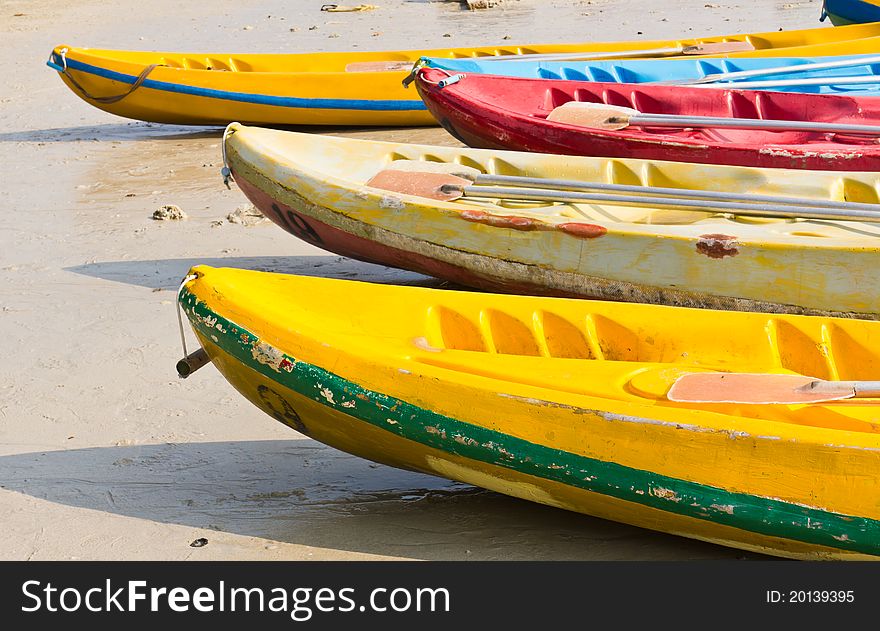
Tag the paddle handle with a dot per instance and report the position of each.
(673, 120)
(754, 210)
(576, 185)
(860, 389)
(759, 72)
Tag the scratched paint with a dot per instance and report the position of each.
(500, 221)
(717, 246)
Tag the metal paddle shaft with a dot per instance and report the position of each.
(759, 72)
(576, 185)
(448, 186)
(598, 115)
(674, 120)
(783, 83)
(737, 208)
(863, 389)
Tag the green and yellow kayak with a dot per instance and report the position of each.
(564, 402)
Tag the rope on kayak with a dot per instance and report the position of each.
(179, 314)
(226, 172)
(104, 99)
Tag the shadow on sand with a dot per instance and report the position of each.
(300, 491)
(138, 131)
(168, 273)
(120, 132)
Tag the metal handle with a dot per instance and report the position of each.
(191, 363)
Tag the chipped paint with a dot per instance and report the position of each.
(717, 246)
(392, 203)
(628, 418)
(724, 508)
(464, 440)
(327, 393)
(437, 431)
(266, 354)
(666, 494)
(515, 222)
(824, 155)
(348, 404)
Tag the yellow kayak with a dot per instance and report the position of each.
(322, 190)
(564, 402)
(347, 88)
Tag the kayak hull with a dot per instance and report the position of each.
(699, 261)
(846, 12)
(398, 403)
(317, 88)
(509, 113)
(862, 69)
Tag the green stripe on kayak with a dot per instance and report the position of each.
(771, 517)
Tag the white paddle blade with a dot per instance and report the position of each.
(593, 115)
(752, 388)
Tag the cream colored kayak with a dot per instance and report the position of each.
(315, 188)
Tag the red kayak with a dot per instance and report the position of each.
(512, 113)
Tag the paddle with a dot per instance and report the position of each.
(786, 83)
(447, 187)
(614, 118)
(744, 74)
(715, 48)
(758, 72)
(758, 389)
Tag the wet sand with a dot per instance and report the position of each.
(104, 453)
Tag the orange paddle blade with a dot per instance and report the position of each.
(750, 388)
(439, 186)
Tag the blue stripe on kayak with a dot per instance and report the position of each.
(244, 97)
(650, 70)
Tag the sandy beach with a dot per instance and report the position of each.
(104, 452)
